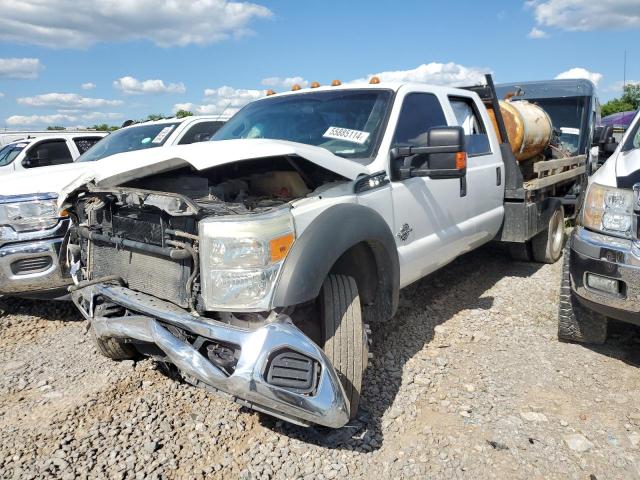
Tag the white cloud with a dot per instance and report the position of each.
(73, 24)
(434, 73)
(578, 72)
(183, 106)
(133, 86)
(1, 95)
(67, 100)
(286, 83)
(88, 86)
(227, 99)
(537, 33)
(63, 119)
(25, 68)
(585, 15)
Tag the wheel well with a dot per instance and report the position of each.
(369, 263)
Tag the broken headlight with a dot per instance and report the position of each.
(27, 213)
(240, 258)
(608, 210)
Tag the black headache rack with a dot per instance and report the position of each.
(528, 206)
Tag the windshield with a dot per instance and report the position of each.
(129, 139)
(8, 153)
(345, 122)
(567, 117)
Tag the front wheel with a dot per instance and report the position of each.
(343, 334)
(114, 348)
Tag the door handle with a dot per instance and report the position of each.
(498, 176)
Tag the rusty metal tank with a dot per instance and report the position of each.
(528, 126)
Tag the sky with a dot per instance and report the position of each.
(70, 63)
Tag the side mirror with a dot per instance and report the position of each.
(29, 162)
(444, 156)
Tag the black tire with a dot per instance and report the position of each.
(575, 322)
(521, 252)
(547, 246)
(113, 348)
(344, 337)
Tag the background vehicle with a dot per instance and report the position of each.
(256, 263)
(46, 151)
(31, 230)
(601, 270)
(11, 136)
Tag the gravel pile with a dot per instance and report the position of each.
(467, 381)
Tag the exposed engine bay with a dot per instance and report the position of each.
(144, 234)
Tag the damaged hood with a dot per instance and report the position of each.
(202, 156)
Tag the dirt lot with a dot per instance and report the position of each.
(468, 381)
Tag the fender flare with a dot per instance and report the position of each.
(324, 241)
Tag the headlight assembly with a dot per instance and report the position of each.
(609, 210)
(27, 213)
(241, 258)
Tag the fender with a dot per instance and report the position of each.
(331, 234)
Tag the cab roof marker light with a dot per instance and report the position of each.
(295, 87)
(374, 80)
(336, 83)
(270, 92)
(314, 85)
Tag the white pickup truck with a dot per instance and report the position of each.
(31, 230)
(35, 152)
(255, 263)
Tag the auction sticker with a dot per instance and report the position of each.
(346, 134)
(159, 138)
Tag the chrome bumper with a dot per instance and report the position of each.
(327, 405)
(611, 257)
(48, 277)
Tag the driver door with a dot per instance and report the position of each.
(433, 220)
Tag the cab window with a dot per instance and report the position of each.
(200, 132)
(467, 117)
(85, 143)
(50, 152)
(419, 113)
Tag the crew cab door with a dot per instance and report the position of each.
(485, 170)
(433, 219)
(47, 152)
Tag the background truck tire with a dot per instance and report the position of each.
(576, 323)
(113, 348)
(547, 245)
(345, 341)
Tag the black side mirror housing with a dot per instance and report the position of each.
(29, 162)
(443, 157)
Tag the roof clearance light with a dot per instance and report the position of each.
(315, 84)
(295, 87)
(374, 81)
(271, 92)
(336, 83)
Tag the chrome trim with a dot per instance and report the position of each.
(29, 197)
(623, 254)
(58, 231)
(328, 406)
(49, 279)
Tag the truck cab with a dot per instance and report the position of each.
(601, 270)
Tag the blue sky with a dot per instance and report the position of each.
(137, 57)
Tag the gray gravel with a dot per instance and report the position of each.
(468, 381)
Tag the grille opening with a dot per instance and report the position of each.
(26, 266)
(293, 371)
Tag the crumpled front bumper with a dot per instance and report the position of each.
(148, 321)
(30, 264)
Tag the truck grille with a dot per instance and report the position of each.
(158, 276)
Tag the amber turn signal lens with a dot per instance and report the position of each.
(461, 160)
(279, 247)
(374, 80)
(336, 83)
(295, 87)
(64, 213)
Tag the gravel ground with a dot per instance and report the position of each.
(467, 381)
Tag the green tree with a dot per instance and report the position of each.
(103, 127)
(155, 116)
(183, 113)
(55, 127)
(630, 100)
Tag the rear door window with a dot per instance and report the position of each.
(467, 116)
(85, 143)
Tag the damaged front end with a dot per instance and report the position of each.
(183, 266)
